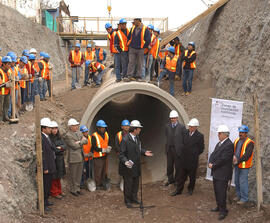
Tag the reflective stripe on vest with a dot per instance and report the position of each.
(177, 49)
(171, 64)
(76, 57)
(89, 56)
(119, 136)
(45, 71)
(87, 147)
(142, 36)
(123, 40)
(101, 143)
(193, 64)
(248, 163)
(4, 77)
(113, 49)
(155, 49)
(23, 71)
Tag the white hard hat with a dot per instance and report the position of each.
(193, 122)
(45, 122)
(54, 124)
(136, 124)
(32, 50)
(73, 121)
(173, 114)
(223, 128)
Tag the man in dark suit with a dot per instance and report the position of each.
(193, 147)
(220, 163)
(48, 160)
(130, 162)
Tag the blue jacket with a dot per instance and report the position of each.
(104, 55)
(136, 40)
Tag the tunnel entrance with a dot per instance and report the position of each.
(144, 102)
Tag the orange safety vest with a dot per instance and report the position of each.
(142, 36)
(155, 49)
(87, 148)
(45, 72)
(4, 79)
(89, 56)
(76, 57)
(146, 49)
(10, 71)
(100, 54)
(123, 40)
(171, 64)
(177, 49)
(193, 64)
(101, 143)
(248, 163)
(23, 71)
(94, 66)
(36, 68)
(113, 49)
(119, 136)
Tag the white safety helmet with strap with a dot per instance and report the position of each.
(45, 122)
(173, 114)
(73, 121)
(223, 128)
(32, 50)
(193, 123)
(136, 124)
(54, 124)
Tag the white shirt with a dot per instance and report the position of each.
(133, 137)
(220, 143)
(45, 134)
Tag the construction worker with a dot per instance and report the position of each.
(179, 49)
(24, 77)
(89, 54)
(88, 156)
(96, 72)
(170, 65)
(189, 65)
(76, 60)
(100, 54)
(30, 80)
(242, 160)
(119, 136)
(45, 82)
(5, 85)
(155, 52)
(130, 162)
(138, 38)
(100, 149)
(35, 78)
(111, 36)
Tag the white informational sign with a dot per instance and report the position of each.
(223, 112)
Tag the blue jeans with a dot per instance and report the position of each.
(10, 103)
(75, 75)
(97, 79)
(124, 63)
(171, 79)
(117, 65)
(86, 75)
(146, 71)
(241, 183)
(35, 90)
(187, 80)
(43, 88)
(87, 167)
(23, 95)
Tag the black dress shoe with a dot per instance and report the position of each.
(79, 192)
(190, 192)
(215, 209)
(175, 193)
(135, 201)
(129, 205)
(47, 208)
(49, 203)
(222, 216)
(168, 183)
(74, 194)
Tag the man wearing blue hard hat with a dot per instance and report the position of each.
(24, 77)
(45, 83)
(89, 55)
(242, 160)
(100, 148)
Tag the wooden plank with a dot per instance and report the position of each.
(39, 157)
(258, 153)
(211, 9)
(66, 65)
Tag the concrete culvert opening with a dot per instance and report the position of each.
(144, 102)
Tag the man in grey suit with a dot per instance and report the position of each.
(220, 163)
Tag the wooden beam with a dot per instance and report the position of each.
(211, 9)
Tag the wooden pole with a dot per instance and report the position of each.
(39, 157)
(13, 100)
(66, 65)
(51, 83)
(258, 153)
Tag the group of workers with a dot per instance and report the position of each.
(137, 54)
(25, 76)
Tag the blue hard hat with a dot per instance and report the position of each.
(83, 128)
(171, 49)
(13, 56)
(192, 44)
(121, 21)
(89, 46)
(78, 45)
(150, 26)
(125, 123)
(243, 128)
(6, 59)
(25, 53)
(24, 59)
(87, 62)
(42, 54)
(157, 30)
(32, 57)
(101, 123)
(108, 25)
(46, 56)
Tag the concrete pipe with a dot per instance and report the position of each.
(135, 100)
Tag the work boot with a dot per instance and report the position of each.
(187, 93)
(175, 193)
(183, 94)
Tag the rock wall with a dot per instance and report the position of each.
(233, 49)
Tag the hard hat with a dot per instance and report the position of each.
(108, 25)
(25, 53)
(6, 59)
(136, 124)
(173, 114)
(32, 57)
(193, 122)
(101, 123)
(89, 46)
(87, 62)
(125, 123)
(32, 50)
(42, 54)
(12, 56)
(78, 45)
(45, 122)
(11, 53)
(157, 30)
(171, 49)
(24, 59)
(73, 121)
(121, 21)
(223, 128)
(46, 56)
(83, 128)
(150, 26)
(243, 128)
(91, 184)
(192, 44)
(54, 124)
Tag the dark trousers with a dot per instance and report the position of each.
(135, 61)
(181, 179)
(131, 186)
(87, 171)
(99, 170)
(220, 188)
(23, 95)
(47, 183)
(171, 164)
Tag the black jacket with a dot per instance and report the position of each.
(193, 147)
(129, 150)
(187, 59)
(48, 156)
(221, 158)
(179, 135)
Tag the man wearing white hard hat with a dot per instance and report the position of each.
(174, 133)
(130, 162)
(220, 163)
(75, 140)
(193, 147)
(48, 160)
